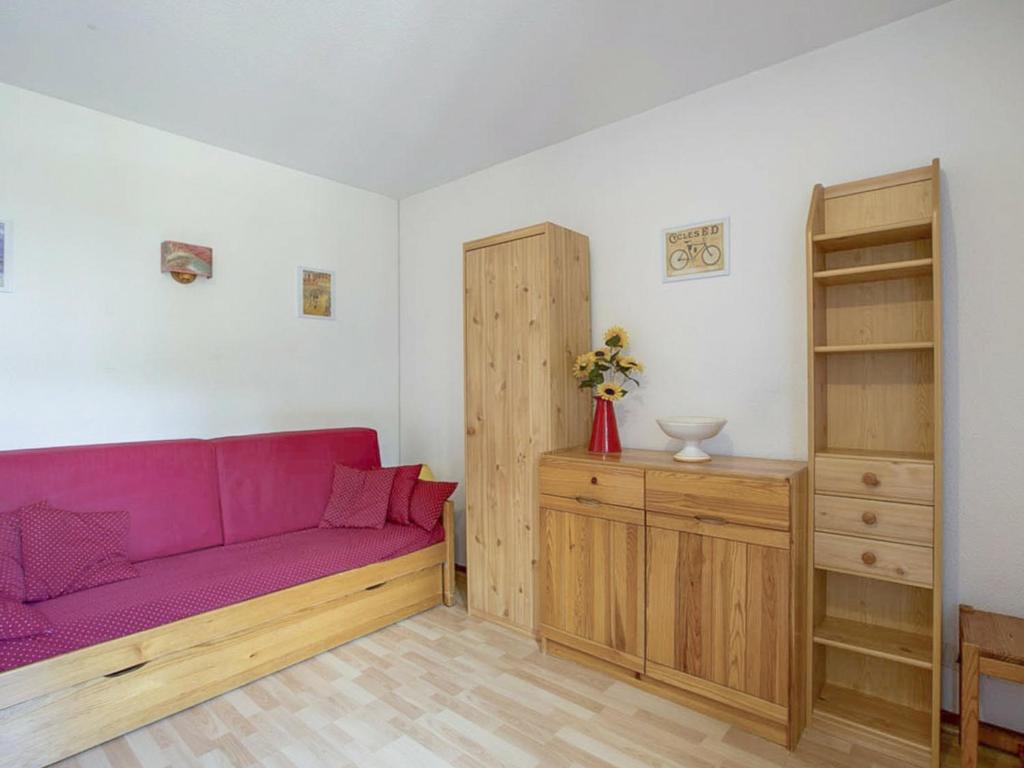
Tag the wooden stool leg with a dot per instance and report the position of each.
(970, 673)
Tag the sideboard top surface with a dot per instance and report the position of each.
(663, 461)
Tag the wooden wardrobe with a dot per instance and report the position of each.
(527, 317)
(875, 360)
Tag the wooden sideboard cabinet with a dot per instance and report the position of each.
(687, 579)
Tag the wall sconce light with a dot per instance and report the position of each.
(186, 262)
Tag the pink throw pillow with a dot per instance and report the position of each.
(359, 498)
(12, 576)
(401, 493)
(64, 552)
(18, 620)
(427, 503)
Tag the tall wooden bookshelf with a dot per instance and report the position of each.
(875, 422)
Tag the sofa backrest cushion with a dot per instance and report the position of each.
(280, 482)
(168, 487)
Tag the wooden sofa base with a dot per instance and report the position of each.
(58, 707)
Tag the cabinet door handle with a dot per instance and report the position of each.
(869, 558)
(870, 478)
(711, 520)
(869, 518)
(587, 501)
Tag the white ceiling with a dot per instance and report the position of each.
(398, 96)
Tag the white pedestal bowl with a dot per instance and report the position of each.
(691, 430)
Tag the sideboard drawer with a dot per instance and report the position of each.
(874, 519)
(899, 480)
(878, 559)
(729, 499)
(588, 483)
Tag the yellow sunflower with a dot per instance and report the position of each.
(630, 363)
(616, 336)
(610, 391)
(581, 368)
(602, 355)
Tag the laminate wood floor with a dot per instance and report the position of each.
(446, 689)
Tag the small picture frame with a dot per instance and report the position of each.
(316, 293)
(5, 256)
(695, 250)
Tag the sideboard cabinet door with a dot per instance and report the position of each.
(592, 581)
(718, 612)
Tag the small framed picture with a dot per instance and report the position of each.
(695, 250)
(5, 256)
(316, 293)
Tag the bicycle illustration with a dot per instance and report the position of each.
(690, 253)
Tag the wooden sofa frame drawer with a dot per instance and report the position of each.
(718, 498)
(894, 479)
(57, 707)
(887, 520)
(902, 563)
(589, 483)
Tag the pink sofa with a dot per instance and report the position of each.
(213, 523)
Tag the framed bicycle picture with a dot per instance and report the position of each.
(695, 250)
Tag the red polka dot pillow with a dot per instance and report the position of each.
(18, 621)
(64, 552)
(427, 502)
(12, 579)
(359, 498)
(401, 493)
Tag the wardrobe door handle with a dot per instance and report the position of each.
(587, 501)
(711, 520)
(869, 558)
(869, 518)
(870, 478)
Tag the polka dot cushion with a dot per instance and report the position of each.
(359, 497)
(401, 493)
(427, 503)
(179, 586)
(64, 552)
(12, 580)
(18, 620)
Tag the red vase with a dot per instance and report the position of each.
(604, 436)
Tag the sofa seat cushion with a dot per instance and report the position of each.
(18, 621)
(176, 587)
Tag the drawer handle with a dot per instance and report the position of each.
(869, 518)
(593, 480)
(870, 478)
(869, 558)
(127, 670)
(711, 520)
(587, 501)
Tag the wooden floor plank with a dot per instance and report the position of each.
(447, 689)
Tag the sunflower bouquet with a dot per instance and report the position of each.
(607, 370)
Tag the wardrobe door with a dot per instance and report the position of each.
(718, 613)
(507, 391)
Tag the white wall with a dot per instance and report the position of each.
(96, 345)
(945, 83)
